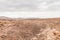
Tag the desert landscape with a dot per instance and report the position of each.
(29, 29)
(29, 19)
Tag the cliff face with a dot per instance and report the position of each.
(30, 29)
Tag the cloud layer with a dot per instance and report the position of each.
(29, 5)
(31, 14)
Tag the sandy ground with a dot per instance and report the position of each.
(30, 29)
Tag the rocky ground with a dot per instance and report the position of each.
(30, 29)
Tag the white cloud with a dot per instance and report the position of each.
(31, 14)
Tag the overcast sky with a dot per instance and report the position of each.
(30, 8)
(29, 5)
(44, 14)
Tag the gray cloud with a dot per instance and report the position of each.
(29, 5)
